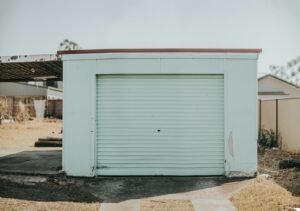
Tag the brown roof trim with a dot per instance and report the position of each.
(161, 50)
(272, 93)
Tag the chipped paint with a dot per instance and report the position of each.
(241, 174)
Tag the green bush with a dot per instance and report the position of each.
(267, 138)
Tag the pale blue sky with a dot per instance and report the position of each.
(38, 26)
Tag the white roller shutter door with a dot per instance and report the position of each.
(160, 125)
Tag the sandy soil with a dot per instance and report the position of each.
(262, 195)
(166, 205)
(24, 134)
(281, 191)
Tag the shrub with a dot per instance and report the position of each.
(267, 138)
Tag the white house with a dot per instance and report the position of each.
(271, 87)
(11, 89)
(160, 112)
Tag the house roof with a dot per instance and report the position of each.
(162, 50)
(30, 68)
(280, 79)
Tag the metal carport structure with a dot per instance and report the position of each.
(47, 67)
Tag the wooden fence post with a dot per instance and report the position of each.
(13, 108)
(259, 132)
(276, 118)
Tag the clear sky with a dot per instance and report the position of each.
(38, 26)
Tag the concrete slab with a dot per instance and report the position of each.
(37, 162)
(127, 193)
(14, 150)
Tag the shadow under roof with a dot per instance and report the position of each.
(30, 68)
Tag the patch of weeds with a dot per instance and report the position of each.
(268, 138)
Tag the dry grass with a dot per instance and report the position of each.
(288, 178)
(24, 134)
(16, 205)
(262, 195)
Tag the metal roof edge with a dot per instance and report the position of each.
(162, 50)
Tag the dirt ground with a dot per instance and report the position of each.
(45, 196)
(287, 178)
(24, 134)
(280, 191)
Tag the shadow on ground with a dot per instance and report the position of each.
(45, 192)
(46, 162)
(117, 189)
(109, 189)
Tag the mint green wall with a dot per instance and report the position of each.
(240, 106)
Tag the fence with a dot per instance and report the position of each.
(54, 108)
(30, 106)
(282, 116)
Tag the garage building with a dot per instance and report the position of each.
(160, 112)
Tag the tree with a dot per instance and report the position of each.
(68, 45)
(289, 72)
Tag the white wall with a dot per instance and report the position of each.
(19, 89)
(78, 119)
(240, 101)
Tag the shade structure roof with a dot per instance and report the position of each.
(30, 68)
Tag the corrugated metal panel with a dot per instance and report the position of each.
(160, 125)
